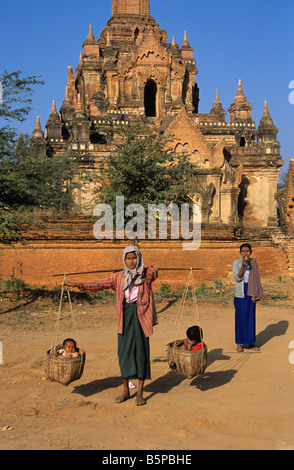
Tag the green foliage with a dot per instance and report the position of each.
(15, 105)
(166, 291)
(282, 180)
(279, 296)
(202, 289)
(28, 181)
(10, 225)
(219, 285)
(17, 94)
(13, 284)
(144, 170)
(217, 293)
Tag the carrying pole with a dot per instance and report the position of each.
(117, 270)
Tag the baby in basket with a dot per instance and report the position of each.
(68, 349)
(193, 341)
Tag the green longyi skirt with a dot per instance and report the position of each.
(133, 347)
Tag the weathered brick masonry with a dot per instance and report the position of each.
(70, 247)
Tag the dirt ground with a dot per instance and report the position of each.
(243, 400)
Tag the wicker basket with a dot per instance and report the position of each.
(64, 370)
(187, 363)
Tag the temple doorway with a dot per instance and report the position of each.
(150, 94)
(242, 199)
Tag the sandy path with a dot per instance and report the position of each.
(243, 401)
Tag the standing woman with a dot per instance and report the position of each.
(248, 291)
(136, 316)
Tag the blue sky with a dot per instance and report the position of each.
(250, 40)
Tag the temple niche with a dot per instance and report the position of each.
(132, 72)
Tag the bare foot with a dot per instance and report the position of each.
(254, 348)
(123, 397)
(140, 401)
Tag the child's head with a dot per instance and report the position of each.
(195, 333)
(69, 345)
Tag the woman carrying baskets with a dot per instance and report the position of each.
(136, 316)
(248, 291)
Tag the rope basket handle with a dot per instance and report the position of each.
(56, 329)
(189, 283)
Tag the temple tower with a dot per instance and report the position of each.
(139, 7)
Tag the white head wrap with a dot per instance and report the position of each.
(133, 275)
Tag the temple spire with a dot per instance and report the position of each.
(241, 109)
(38, 133)
(266, 111)
(266, 120)
(240, 94)
(38, 124)
(90, 35)
(217, 108)
(54, 110)
(185, 41)
(186, 49)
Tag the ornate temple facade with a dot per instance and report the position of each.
(131, 72)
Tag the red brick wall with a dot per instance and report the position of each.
(76, 250)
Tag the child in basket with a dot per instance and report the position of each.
(68, 349)
(193, 341)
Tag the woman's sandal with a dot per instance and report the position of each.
(239, 348)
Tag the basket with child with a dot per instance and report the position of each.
(188, 356)
(66, 362)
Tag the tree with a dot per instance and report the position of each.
(145, 170)
(15, 105)
(28, 181)
(282, 180)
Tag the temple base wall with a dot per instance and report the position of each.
(73, 249)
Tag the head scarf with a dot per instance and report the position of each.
(133, 275)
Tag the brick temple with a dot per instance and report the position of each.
(129, 73)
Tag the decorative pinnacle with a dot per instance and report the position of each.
(266, 111)
(240, 94)
(185, 41)
(38, 124)
(90, 35)
(54, 110)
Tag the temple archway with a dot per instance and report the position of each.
(150, 95)
(242, 199)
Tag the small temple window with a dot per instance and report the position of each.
(242, 142)
(136, 34)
